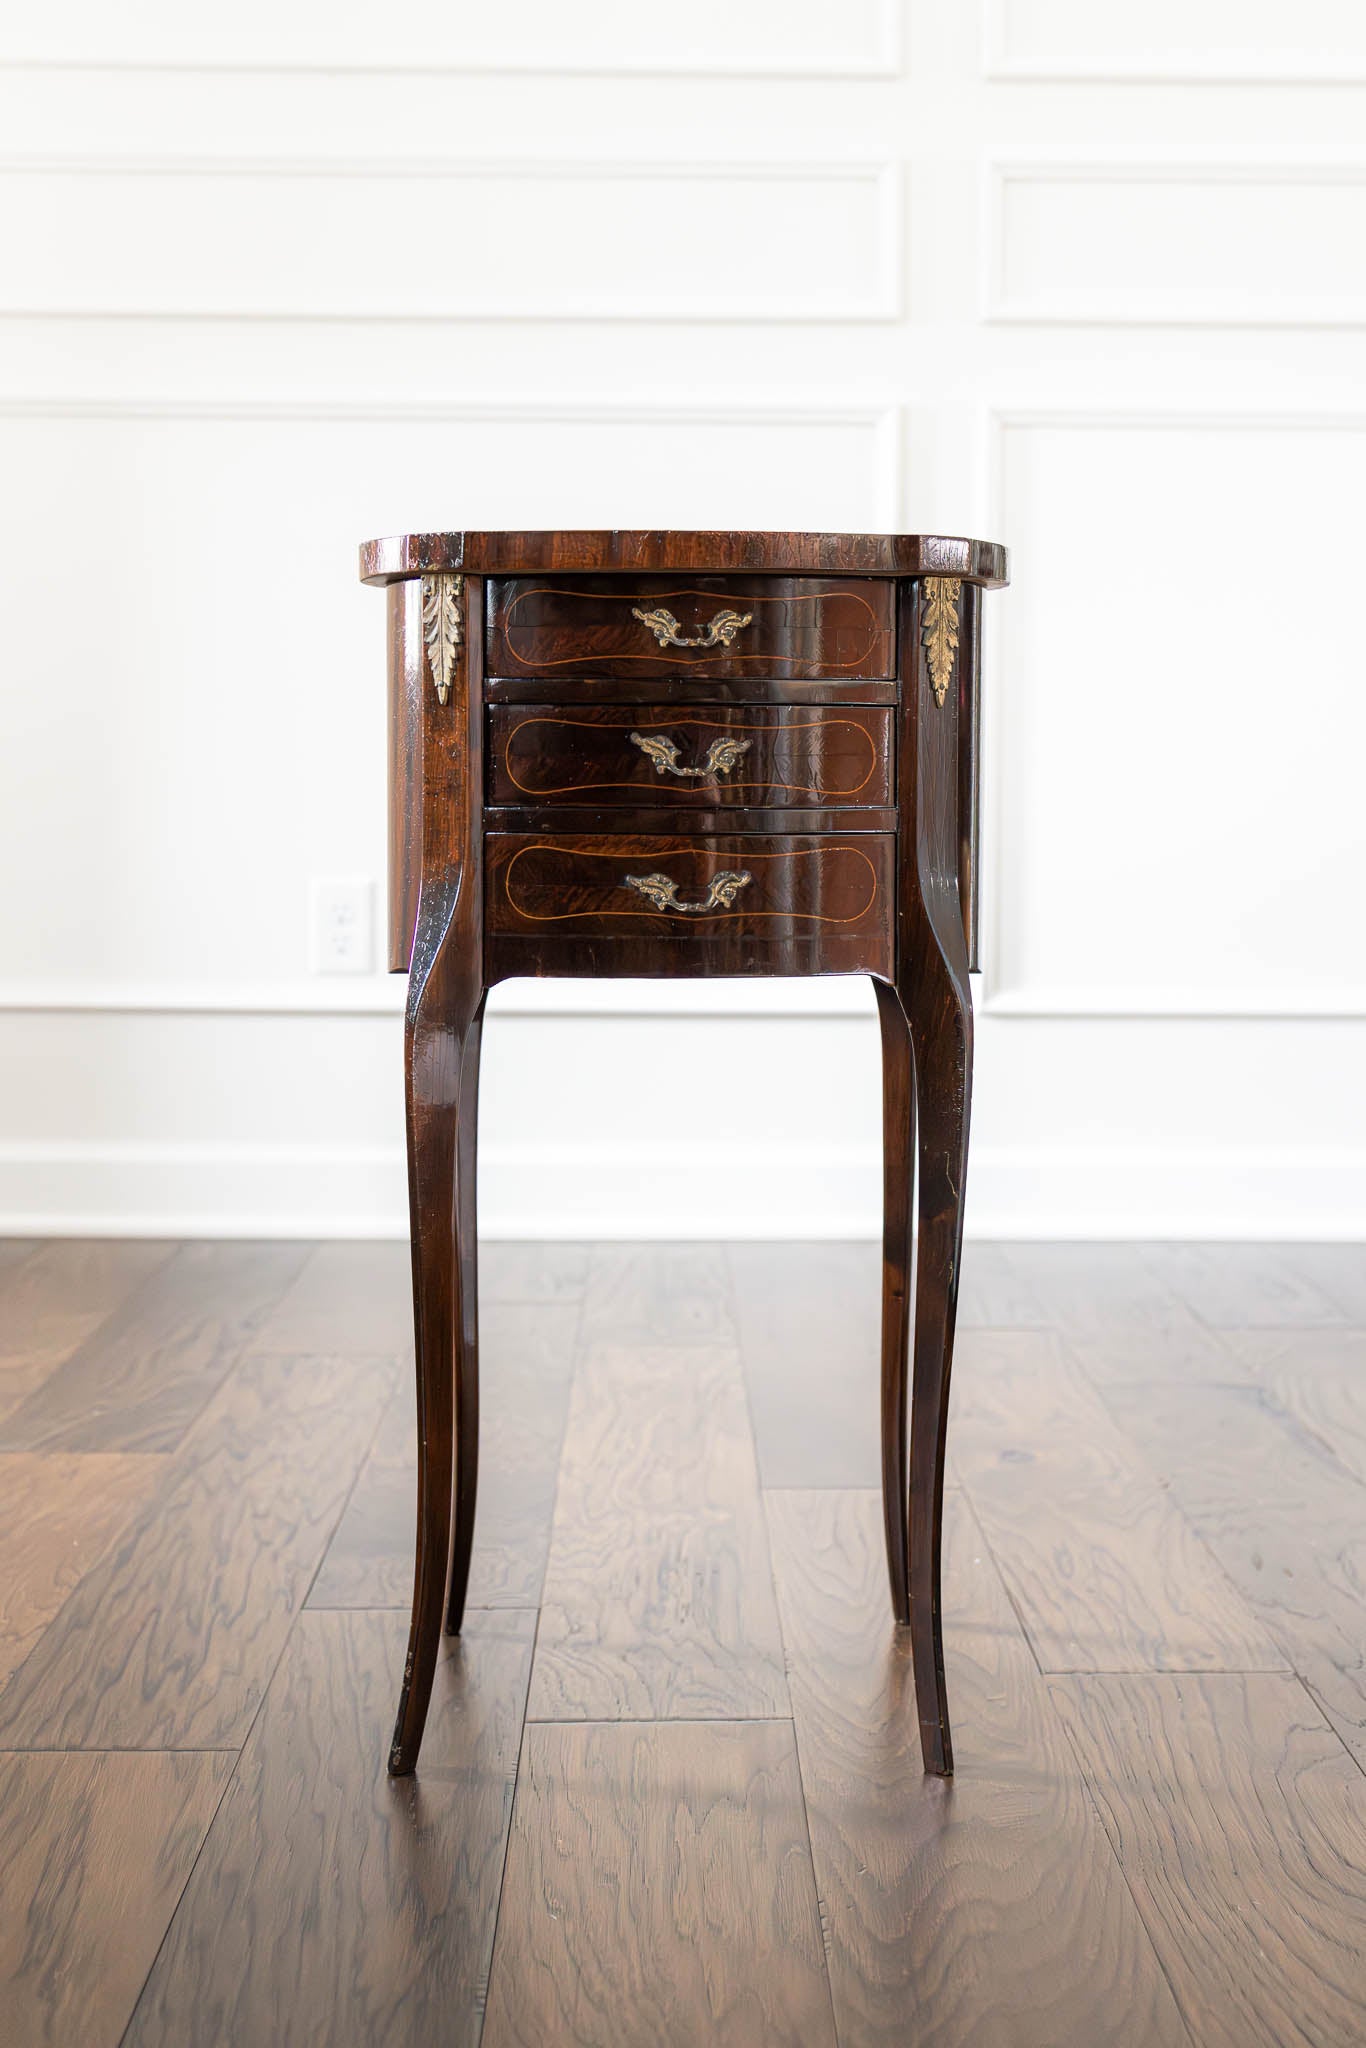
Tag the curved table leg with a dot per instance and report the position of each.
(466, 1360)
(444, 1013)
(898, 1258)
(939, 1013)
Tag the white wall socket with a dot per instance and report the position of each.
(341, 927)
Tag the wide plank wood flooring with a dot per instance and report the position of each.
(671, 1793)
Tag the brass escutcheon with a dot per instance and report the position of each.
(722, 755)
(663, 893)
(719, 633)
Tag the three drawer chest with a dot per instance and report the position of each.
(686, 754)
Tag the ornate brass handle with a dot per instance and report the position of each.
(719, 633)
(722, 755)
(721, 891)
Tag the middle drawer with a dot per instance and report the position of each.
(764, 756)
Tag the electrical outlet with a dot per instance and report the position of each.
(341, 927)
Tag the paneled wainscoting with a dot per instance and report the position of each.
(671, 1790)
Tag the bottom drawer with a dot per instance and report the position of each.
(739, 899)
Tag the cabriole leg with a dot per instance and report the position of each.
(940, 1016)
(898, 1253)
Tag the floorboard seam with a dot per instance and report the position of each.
(1322, 1711)
(980, 1526)
(482, 1996)
(361, 1464)
(1093, 1801)
(229, 1781)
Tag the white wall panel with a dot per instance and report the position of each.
(1181, 724)
(1151, 242)
(860, 38)
(1234, 41)
(441, 239)
(273, 279)
(201, 716)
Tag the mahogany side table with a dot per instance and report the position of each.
(656, 754)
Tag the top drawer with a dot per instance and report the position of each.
(787, 627)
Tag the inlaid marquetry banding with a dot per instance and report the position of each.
(766, 782)
(656, 655)
(619, 854)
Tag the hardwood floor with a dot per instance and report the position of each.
(670, 1793)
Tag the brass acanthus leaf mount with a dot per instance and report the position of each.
(442, 629)
(939, 630)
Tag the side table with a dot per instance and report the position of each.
(683, 754)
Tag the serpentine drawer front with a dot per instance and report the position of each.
(686, 755)
(740, 891)
(703, 625)
(690, 756)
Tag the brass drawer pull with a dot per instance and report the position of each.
(722, 755)
(721, 892)
(719, 633)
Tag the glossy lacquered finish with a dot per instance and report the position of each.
(611, 550)
(692, 757)
(779, 626)
(732, 898)
(793, 793)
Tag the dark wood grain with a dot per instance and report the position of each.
(55, 1296)
(58, 1516)
(332, 1904)
(404, 645)
(527, 1355)
(833, 896)
(1281, 1514)
(582, 857)
(658, 1599)
(347, 1297)
(94, 1851)
(925, 1012)
(659, 1894)
(140, 1380)
(645, 818)
(777, 626)
(968, 806)
(589, 551)
(170, 1641)
(987, 1909)
(576, 754)
(446, 992)
(676, 690)
(1239, 1822)
(1107, 1573)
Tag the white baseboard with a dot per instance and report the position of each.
(649, 1192)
